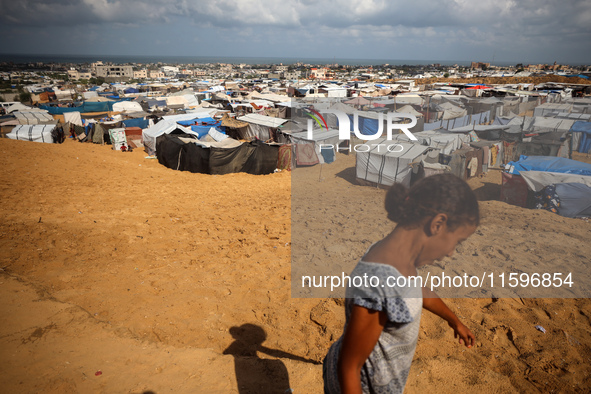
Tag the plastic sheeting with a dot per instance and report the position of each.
(323, 140)
(537, 180)
(255, 158)
(150, 135)
(382, 167)
(575, 199)
(85, 107)
(137, 122)
(35, 133)
(33, 117)
(549, 164)
(73, 117)
(127, 106)
(581, 136)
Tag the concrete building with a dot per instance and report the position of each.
(291, 75)
(115, 73)
(155, 74)
(140, 74)
(74, 74)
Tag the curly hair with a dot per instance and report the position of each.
(442, 193)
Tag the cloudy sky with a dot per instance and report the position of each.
(514, 31)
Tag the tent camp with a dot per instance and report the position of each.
(36, 133)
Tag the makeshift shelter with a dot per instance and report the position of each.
(118, 139)
(234, 128)
(566, 182)
(150, 134)
(73, 118)
(382, 167)
(320, 149)
(36, 133)
(127, 107)
(228, 156)
(260, 126)
(581, 136)
(358, 101)
(18, 107)
(201, 126)
(33, 117)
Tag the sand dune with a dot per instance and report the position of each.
(167, 281)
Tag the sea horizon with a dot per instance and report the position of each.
(254, 60)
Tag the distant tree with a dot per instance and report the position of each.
(446, 75)
(84, 81)
(24, 97)
(96, 81)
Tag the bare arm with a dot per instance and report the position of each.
(360, 337)
(434, 304)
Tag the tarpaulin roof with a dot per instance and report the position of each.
(549, 164)
(36, 133)
(358, 101)
(33, 117)
(581, 127)
(262, 120)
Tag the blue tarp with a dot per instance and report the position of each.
(85, 107)
(138, 122)
(367, 126)
(203, 125)
(131, 90)
(575, 199)
(578, 75)
(585, 129)
(549, 164)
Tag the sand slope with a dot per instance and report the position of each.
(167, 281)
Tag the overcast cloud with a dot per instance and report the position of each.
(463, 30)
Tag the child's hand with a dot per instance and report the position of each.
(462, 332)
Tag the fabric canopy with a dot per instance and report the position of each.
(549, 164)
(358, 101)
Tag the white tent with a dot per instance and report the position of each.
(127, 106)
(73, 117)
(451, 111)
(150, 134)
(259, 125)
(408, 109)
(36, 133)
(190, 115)
(18, 107)
(381, 166)
(323, 140)
(176, 102)
(191, 100)
(33, 117)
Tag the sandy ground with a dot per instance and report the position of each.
(119, 275)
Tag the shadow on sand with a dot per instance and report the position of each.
(255, 374)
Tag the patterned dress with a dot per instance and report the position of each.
(386, 369)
